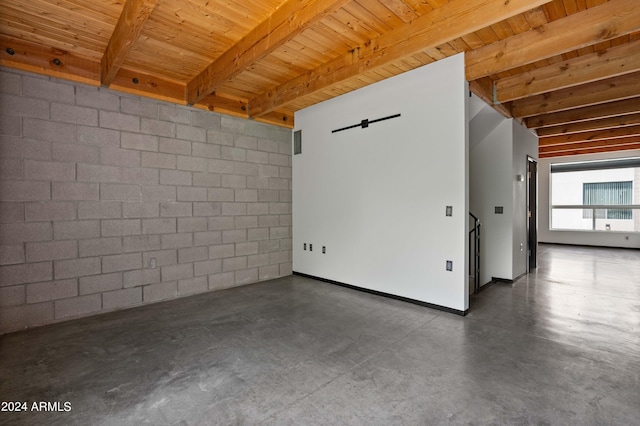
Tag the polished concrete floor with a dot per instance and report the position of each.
(560, 346)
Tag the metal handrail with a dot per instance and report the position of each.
(475, 233)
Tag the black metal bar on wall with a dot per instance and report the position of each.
(365, 123)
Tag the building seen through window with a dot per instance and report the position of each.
(594, 195)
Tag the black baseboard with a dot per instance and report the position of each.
(507, 280)
(587, 245)
(383, 294)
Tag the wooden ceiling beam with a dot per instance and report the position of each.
(53, 62)
(594, 112)
(581, 151)
(150, 85)
(454, 19)
(612, 89)
(590, 147)
(224, 105)
(483, 88)
(592, 125)
(289, 20)
(279, 118)
(39, 59)
(131, 22)
(615, 61)
(600, 23)
(594, 135)
(240, 108)
(28, 56)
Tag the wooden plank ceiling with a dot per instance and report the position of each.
(568, 68)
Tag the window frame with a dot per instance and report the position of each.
(596, 210)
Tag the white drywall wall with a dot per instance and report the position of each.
(490, 165)
(376, 196)
(498, 154)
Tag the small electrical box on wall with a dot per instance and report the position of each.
(449, 211)
(499, 210)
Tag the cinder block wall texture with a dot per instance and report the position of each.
(109, 201)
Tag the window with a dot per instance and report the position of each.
(594, 195)
(605, 193)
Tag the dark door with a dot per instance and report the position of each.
(532, 213)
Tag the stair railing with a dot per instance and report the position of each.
(474, 258)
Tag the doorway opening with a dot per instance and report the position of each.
(532, 214)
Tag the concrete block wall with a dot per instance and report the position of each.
(98, 187)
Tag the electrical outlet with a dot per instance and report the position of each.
(310, 247)
(305, 246)
(449, 265)
(449, 211)
(324, 250)
(153, 263)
